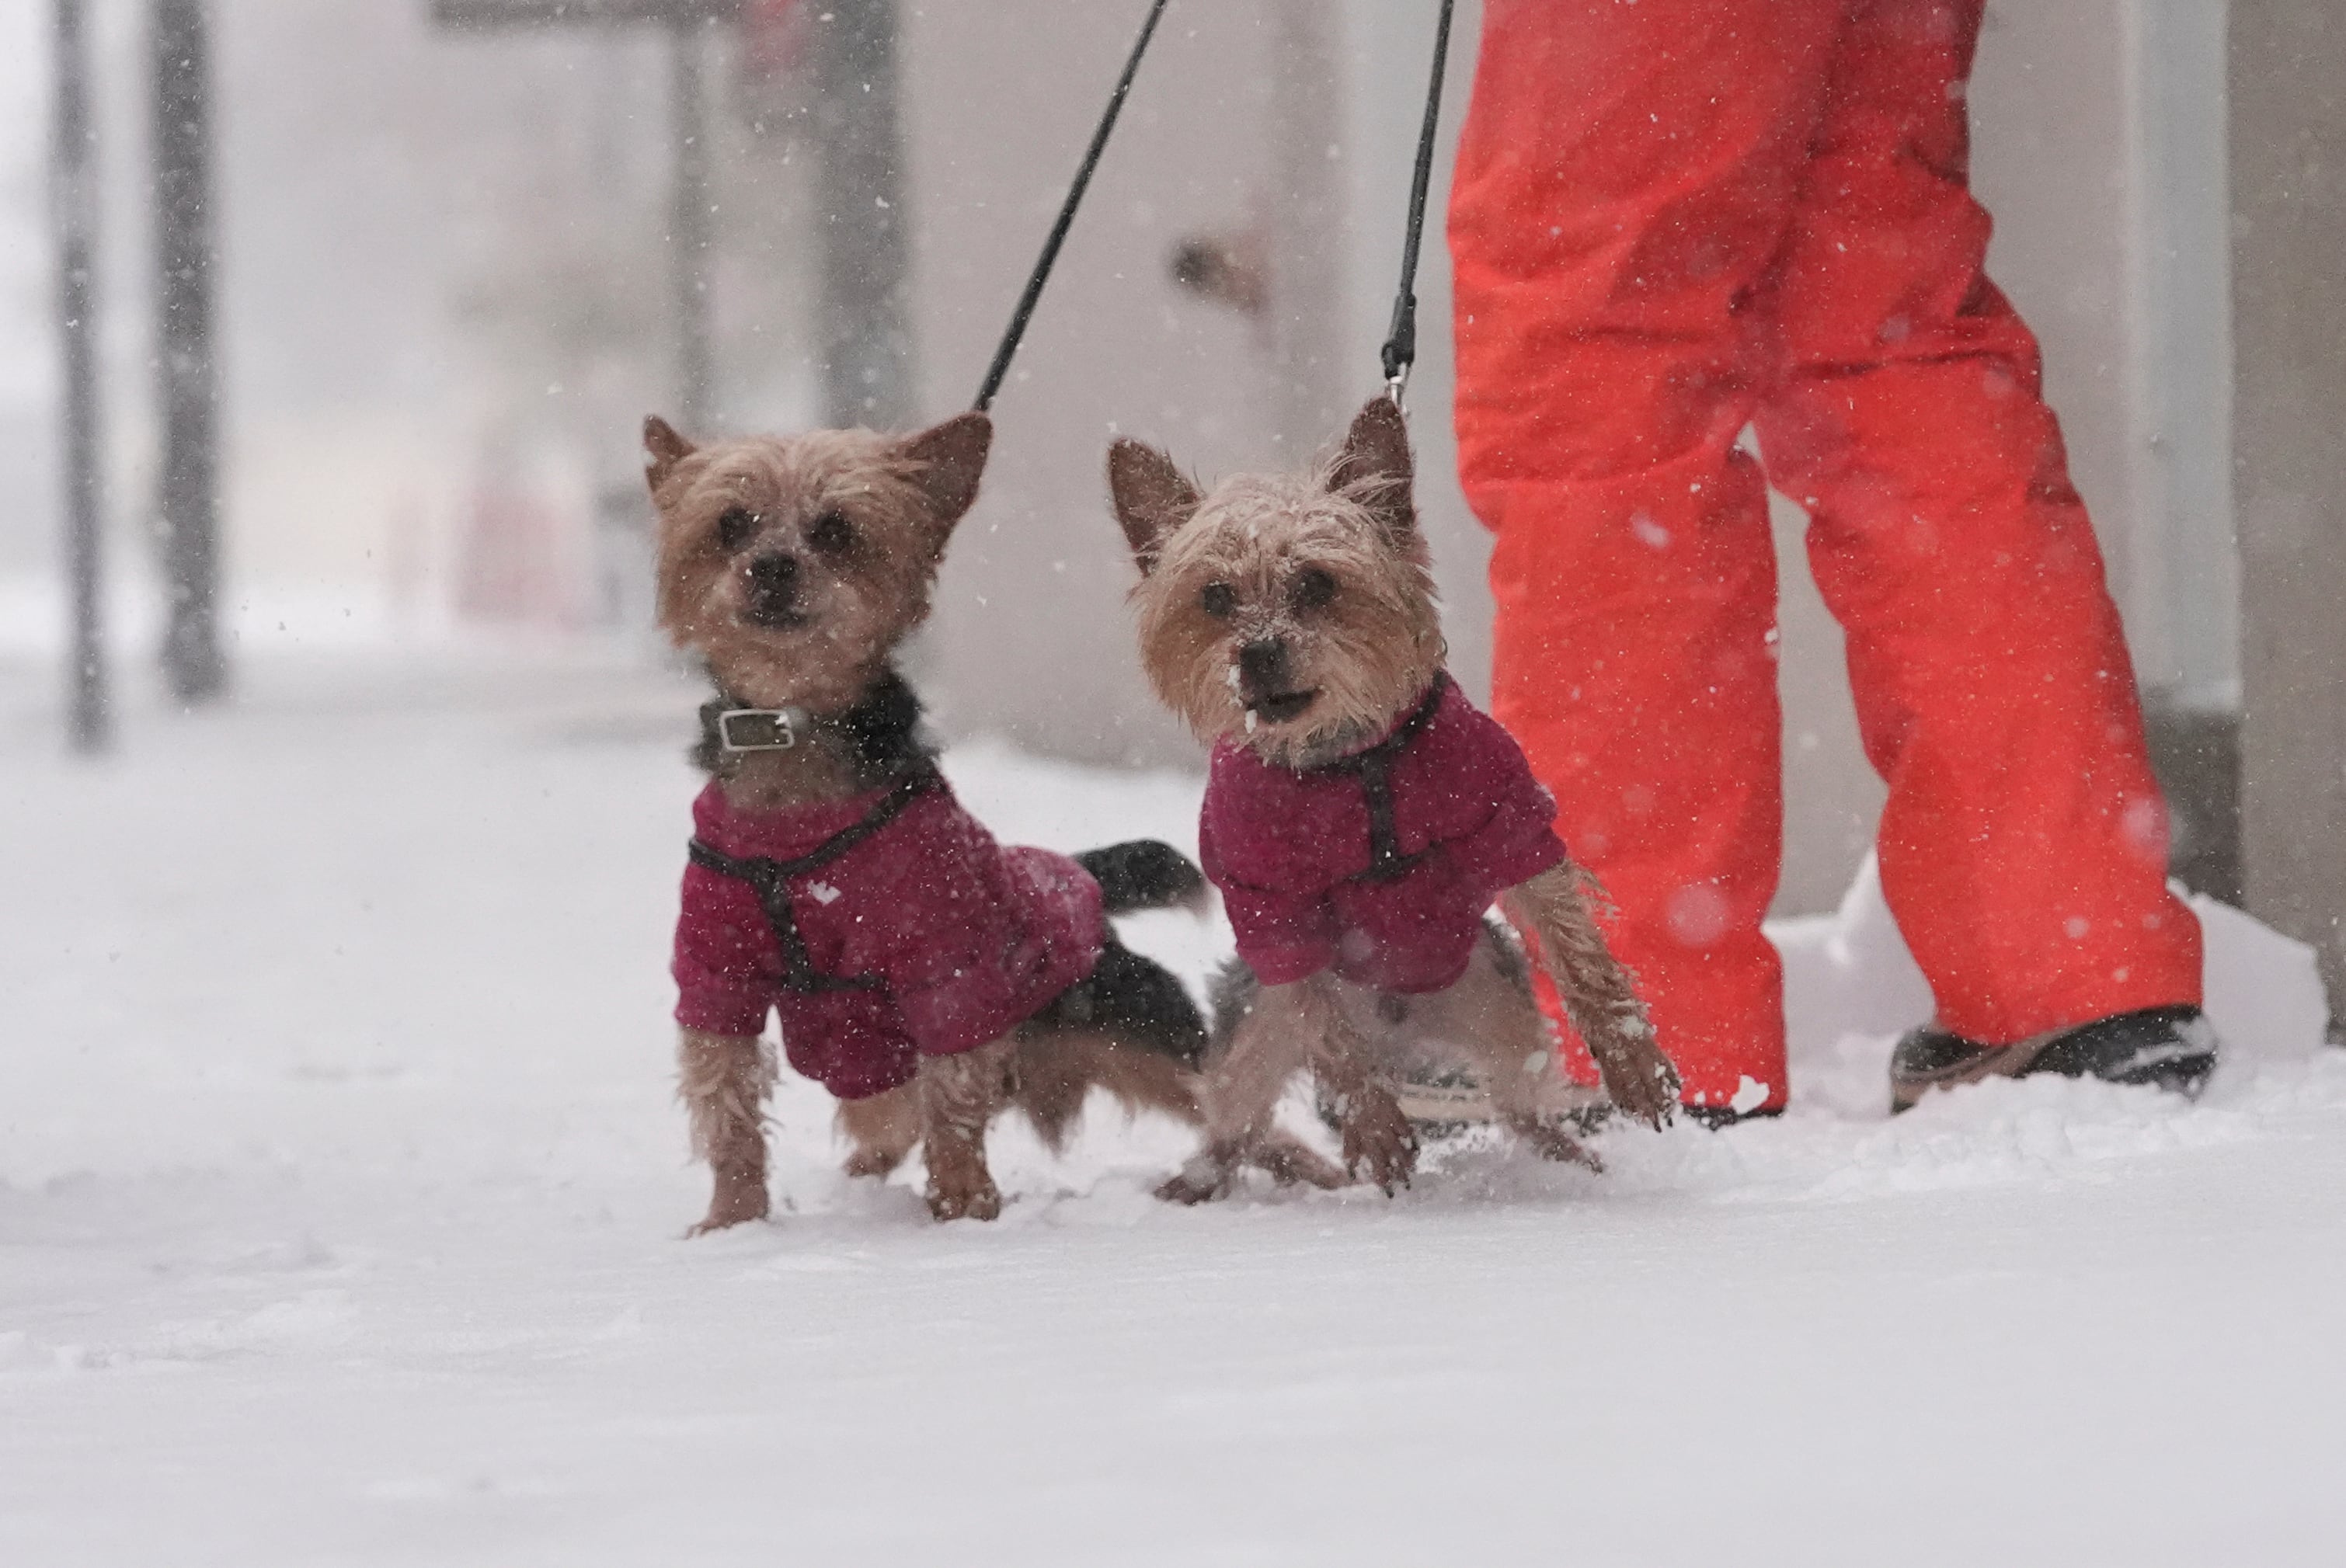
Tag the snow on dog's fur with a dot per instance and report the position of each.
(1293, 615)
(795, 567)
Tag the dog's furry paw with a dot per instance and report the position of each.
(969, 1197)
(1202, 1180)
(1186, 1189)
(1551, 1142)
(880, 1163)
(1290, 1164)
(1378, 1142)
(734, 1202)
(1641, 1082)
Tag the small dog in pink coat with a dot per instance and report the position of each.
(929, 976)
(1361, 816)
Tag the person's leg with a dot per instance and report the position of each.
(2023, 847)
(1624, 180)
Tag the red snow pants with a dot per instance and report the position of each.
(1674, 218)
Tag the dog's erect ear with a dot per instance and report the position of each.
(1375, 458)
(663, 449)
(948, 461)
(1152, 498)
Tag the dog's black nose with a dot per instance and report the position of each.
(1262, 663)
(773, 583)
(774, 572)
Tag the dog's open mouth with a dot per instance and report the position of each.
(1278, 707)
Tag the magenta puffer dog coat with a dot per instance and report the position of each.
(917, 935)
(1381, 863)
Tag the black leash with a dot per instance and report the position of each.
(1000, 369)
(1401, 344)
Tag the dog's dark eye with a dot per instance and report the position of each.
(1312, 589)
(734, 529)
(830, 535)
(1217, 600)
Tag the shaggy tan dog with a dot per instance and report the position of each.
(795, 568)
(1292, 616)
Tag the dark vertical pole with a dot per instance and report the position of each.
(2289, 335)
(74, 199)
(866, 338)
(185, 258)
(690, 228)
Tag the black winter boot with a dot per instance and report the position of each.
(2166, 1047)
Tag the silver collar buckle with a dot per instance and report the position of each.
(757, 730)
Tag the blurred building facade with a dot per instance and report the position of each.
(446, 306)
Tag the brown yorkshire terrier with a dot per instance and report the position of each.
(927, 975)
(1360, 818)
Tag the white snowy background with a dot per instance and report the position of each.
(341, 1193)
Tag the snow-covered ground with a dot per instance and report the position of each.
(341, 1191)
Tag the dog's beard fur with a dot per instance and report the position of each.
(1328, 565)
(863, 517)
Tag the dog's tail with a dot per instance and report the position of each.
(1145, 874)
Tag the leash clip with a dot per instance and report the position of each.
(757, 730)
(1401, 344)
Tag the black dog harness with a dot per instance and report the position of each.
(770, 881)
(1374, 765)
